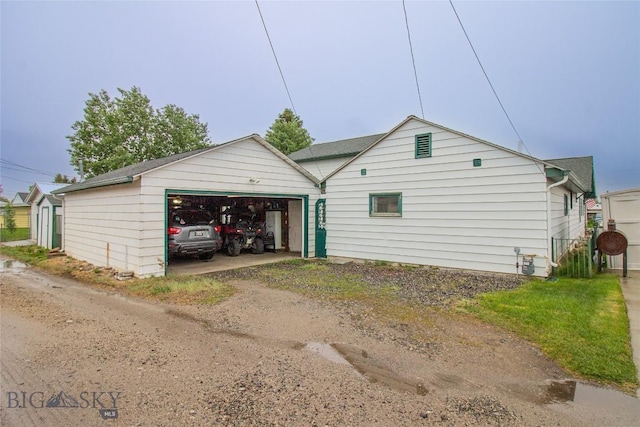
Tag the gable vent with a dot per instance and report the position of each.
(423, 145)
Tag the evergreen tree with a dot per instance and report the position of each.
(287, 133)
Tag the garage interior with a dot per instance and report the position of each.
(280, 218)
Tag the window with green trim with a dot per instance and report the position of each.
(423, 145)
(581, 207)
(385, 204)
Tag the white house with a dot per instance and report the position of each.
(624, 207)
(425, 194)
(46, 214)
(120, 219)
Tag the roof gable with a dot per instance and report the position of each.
(127, 174)
(42, 188)
(582, 169)
(428, 123)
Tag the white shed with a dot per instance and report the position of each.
(46, 214)
(624, 207)
(120, 219)
(425, 194)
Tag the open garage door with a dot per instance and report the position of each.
(241, 224)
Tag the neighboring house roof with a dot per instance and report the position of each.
(41, 188)
(592, 204)
(127, 174)
(20, 199)
(335, 149)
(581, 179)
(582, 167)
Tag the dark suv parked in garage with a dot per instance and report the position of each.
(190, 232)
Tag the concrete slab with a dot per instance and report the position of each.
(222, 262)
(19, 243)
(631, 290)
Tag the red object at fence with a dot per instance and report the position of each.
(612, 242)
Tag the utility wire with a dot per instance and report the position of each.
(4, 164)
(489, 81)
(15, 179)
(276, 58)
(413, 61)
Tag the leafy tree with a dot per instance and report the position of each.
(287, 133)
(8, 212)
(121, 131)
(64, 179)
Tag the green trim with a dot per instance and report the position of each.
(477, 163)
(303, 197)
(53, 227)
(566, 205)
(305, 238)
(327, 157)
(321, 232)
(363, 172)
(382, 214)
(556, 173)
(424, 145)
(95, 184)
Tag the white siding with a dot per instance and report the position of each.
(624, 208)
(226, 170)
(34, 220)
(102, 226)
(322, 168)
(453, 214)
(123, 226)
(565, 228)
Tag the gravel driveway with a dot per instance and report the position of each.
(264, 357)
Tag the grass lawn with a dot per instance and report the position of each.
(18, 234)
(580, 323)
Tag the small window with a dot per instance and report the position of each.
(388, 204)
(571, 200)
(566, 205)
(423, 145)
(581, 208)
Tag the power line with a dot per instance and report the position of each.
(489, 81)
(413, 61)
(15, 179)
(276, 58)
(5, 162)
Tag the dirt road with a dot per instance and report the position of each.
(75, 356)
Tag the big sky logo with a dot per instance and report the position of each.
(105, 401)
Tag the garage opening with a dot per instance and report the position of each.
(201, 226)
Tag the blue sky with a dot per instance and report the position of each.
(568, 73)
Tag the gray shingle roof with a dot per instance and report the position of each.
(55, 201)
(582, 168)
(330, 150)
(126, 174)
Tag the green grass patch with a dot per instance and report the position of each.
(180, 289)
(577, 264)
(31, 254)
(580, 323)
(18, 234)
